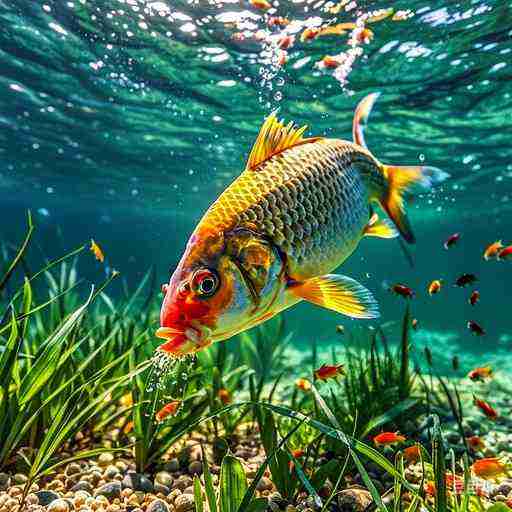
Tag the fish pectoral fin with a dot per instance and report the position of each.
(381, 228)
(339, 293)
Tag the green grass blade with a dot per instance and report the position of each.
(208, 485)
(233, 484)
(198, 495)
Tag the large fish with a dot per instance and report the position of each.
(271, 239)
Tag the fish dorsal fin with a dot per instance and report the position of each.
(273, 138)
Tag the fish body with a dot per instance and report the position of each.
(475, 328)
(480, 374)
(474, 298)
(476, 443)
(490, 467)
(451, 240)
(273, 237)
(492, 250)
(486, 408)
(170, 409)
(404, 291)
(303, 384)
(329, 371)
(465, 279)
(388, 438)
(434, 287)
(505, 253)
(224, 396)
(97, 251)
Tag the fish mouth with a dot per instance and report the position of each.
(182, 341)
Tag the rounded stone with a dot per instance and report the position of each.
(354, 500)
(5, 481)
(72, 469)
(110, 490)
(46, 497)
(264, 484)
(164, 478)
(161, 489)
(137, 482)
(184, 503)
(111, 471)
(20, 478)
(105, 459)
(195, 467)
(59, 505)
(82, 485)
(173, 465)
(158, 506)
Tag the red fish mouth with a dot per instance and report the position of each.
(183, 341)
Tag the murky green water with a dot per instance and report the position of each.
(124, 120)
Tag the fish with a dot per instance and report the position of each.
(492, 250)
(340, 329)
(434, 287)
(330, 62)
(412, 453)
(505, 253)
(298, 453)
(490, 467)
(465, 279)
(363, 35)
(97, 251)
(451, 240)
(402, 290)
(388, 438)
(262, 5)
(329, 371)
(486, 408)
(480, 374)
(275, 235)
(309, 33)
(170, 409)
(475, 328)
(414, 324)
(303, 384)
(285, 42)
(474, 297)
(476, 443)
(282, 58)
(277, 21)
(224, 396)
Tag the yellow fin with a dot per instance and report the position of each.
(339, 293)
(361, 114)
(275, 137)
(380, 228)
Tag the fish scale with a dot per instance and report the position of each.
(311, 200)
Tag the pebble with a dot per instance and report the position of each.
(46, 497)
(173, 465)
(82, 485)
(5, 481)
(110, 490)
(105, 459)
(137, 482)
(161, 489)
(264, 484)
(59, 505)
(158, 506)
(20, 478)
(111, 471)
(164, 478)
(184, 503)
(72, 469)
(354, 500)
(195, 467)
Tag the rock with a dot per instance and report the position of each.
(5, 481)
(161, 489)
(500, 497)
(504, 488)
(184, 503)
(173, 465)
(195, 467)
(82, 485)
(264, 484)
(137, 482)
(20, 478)
(110, 490)
(111, 471)
(59, 505)
(72, 469)
(105, 459)
(183, 482)
(46, 497)
(159, 506)
(354, 499)
(164, 478)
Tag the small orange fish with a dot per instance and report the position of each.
(262, 5)
(364, 36)
(329, 371)
(96, 250)
(489, 411)
(224, 396)
(128, 427)
(492, 250)
(388, 439)
(505, 253)
(310, 33)
(303, 384)
(331, 62)
(412, 453)
(277, 21)
(282, 58)
(430, 488)
(480, 374)
(490, 467)
(452, 240)
(475, 443)
(465, 279)
(238, 37)
(474, 298)
(402, 290)
(434, 287)
(170, 409)
(414, 324)
(285, 42)
(475, 328)
(298, 453)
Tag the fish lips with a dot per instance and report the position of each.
(180, 342)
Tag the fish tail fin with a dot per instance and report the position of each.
(403, 179)
(361, 114)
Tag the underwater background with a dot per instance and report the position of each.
(123, 120)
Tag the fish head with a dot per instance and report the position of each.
(224, 284)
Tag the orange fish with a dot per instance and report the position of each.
(128, 427)
(388, 439)
(303, 384)
(402, 290)
(364, 35)
(331, 62)
(298, 453)
(430, 488)
(412, 453)
(310, 33)
(480, 374)
(277, 21)
(329, 371)
(285, 42)
(474, 298)
(434, 287)
(475, 443)
(475, 328)
(274, 237)
(490, 467)
(96, 250)
(489, 411)
(492, 250)
(505, 253)
(282, 58)
(414, 324)
(224, 396)
(451, 240)
(262, 5)
(170, 409)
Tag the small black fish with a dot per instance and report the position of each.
(465, 279)
(475, 328)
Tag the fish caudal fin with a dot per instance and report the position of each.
(380, 228)
(339, 293)
(402, 179)
(361, 115)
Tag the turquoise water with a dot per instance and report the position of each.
(123, 120)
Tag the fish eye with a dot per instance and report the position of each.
(206, 282)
